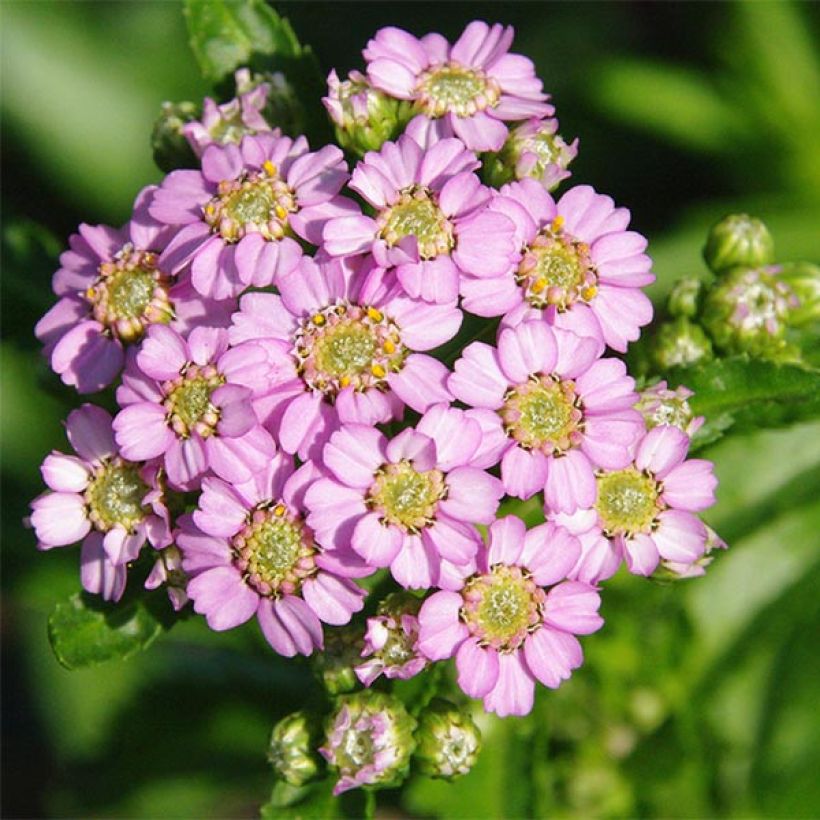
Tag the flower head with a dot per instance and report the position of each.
(514, 620)
(250, 552)
(557, 411)
(190, 403)
(409, 503)
(659, 405)
(576, 263)
(645, 513)
(112, 288)
(344, 350)
(369, 740)
(431, 225)
(241, 216)
(448, 741)
(468, 89)
(111, 504)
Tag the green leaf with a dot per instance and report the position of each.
(318, 802)
(747, 394)
(226, 34)
(85, 631)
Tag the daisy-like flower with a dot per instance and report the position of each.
(343, 350)
(468, 89)
(644, 513)
(111, 288)
(249, 552)
(409, 503)
(391, 640)
(369, 740)
(577, 264)
(111, 504)
(233, 120)
(431, 222)
(504, 628)
(564, 412)
(190, 403)
(241, 216)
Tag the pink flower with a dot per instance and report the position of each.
(467, 90)
(431, 226)
(504, 628)
(233, 120)
(168, 572)
(190, 402)
(249, 552)
(409, 503)
(561, 413)
(237, 216)
(577, 263)
(343, 350)
(112, 505)
(112, 288)
(644, 513)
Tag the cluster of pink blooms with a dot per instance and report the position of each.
(273, 323)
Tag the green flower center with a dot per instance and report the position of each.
(257, 202)
(130, 294)
(557, 270)
(405, 497)
(502, 607)
(115, 496)
(417, 214)
(348, 345)
(451, 88)
(628, 501)
(543, 414)
(188, 401)
(274, 550)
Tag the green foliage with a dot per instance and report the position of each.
(85, 631)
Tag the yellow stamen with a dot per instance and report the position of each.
(318, 319)
(90, 293)
(378, 371)
(558, 223)
(375, 315)
(280, 212)
(389, 347)
(589, 292)
(344, 381)
(538, 285)
(279, 510)
(270, 168)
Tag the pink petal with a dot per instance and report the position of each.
(333, 599)
(550, 552)
(163, 353)
(434, 280)
(413, 446)
(689, 486)
(485, 244)
(59, 519)
(97, 574)
(301, 623)
(354, 453)
(506, 541)
(473, 495)
(141, 431)
(573, 607)
(443, 161)
(680, 536)
(605, 386)
(490, 297)
(621, 312)
(457, 437)
(478, 668)
(65, 473)
(641, 554)
(551, 656)
(454, 541)
(301, 422)
(524, 472)
(223, 598)
(478, 380)
(421, 383)
(479, 132)
(376, 542)
(514, 690)
(186, 461)
(348, 235)
(416, 565)
(570, 482)
(662, 449)
(525, 350)
(440, 630)
(221, 511)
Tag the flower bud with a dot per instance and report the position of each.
(391, 640)
(448, 741)
(684, 299)
(804, 280)
(170, 147)
(335, 665)
(746, 311)
(292, 751)
(168, 570)
(369, 741)
(534, 149)
(659, 405)
(363, 117)
(678, 571)
(680, 343)
(281, 106)
(738, 240)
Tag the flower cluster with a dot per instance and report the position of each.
(299, 408)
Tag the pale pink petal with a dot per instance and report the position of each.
(416, 565)
(421, 383)
(97, 574)
(454, 541)
(478, 668)
(59, 519)
(525, 350)
(550, 552)
(573, 607)
(680, 536)
(641, 554)
(333, 599)
(689, 486)
(662, 449)
(66, 474)
(551, 656)
(478, 380)
(141, 431)
(506, 540)
(354, 453)
(440, 630)
(221, 511)
(222, 597)
(376, 542)
(457, 436)
(570, 482)
(413, 446)
(514, 690)
(524, 472)
(473, 495)
(485, 244)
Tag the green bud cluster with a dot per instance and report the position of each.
(292, 750)
(448, 741)
(335, 665)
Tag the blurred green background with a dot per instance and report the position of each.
(697, 700)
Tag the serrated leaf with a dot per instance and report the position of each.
(226, 34)
(85, 631)
(747, 394)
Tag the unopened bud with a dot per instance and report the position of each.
(448, 741)
(369, 741)
(684, 299)
(170, 147)
(738, 240)
(292, 751)
(533, 149)
(680, 343)
(804, 280)
(659, 405)
(335, 665)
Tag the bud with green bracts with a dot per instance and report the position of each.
(335, 665)
(292, 751)
(169, 144)
(685, 297)
(747, 311)
(363, 117)
(661, 406)
(680, 343)
(448, 741)
(804, 280)
(369, 741)
(738, 240)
